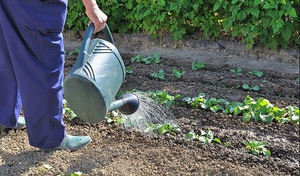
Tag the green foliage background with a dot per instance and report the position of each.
(271, 23)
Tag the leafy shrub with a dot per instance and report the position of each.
(267, 22)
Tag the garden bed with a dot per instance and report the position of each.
(116, 150)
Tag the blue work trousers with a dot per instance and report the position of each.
(31, 68)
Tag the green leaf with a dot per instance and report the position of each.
(242, 15)
(255, 12)
(267, 6)
(129, 70)
(257, 2)
(286, 33)
(273, 44)
(293, 13)
(247, 117)
(178, 34)
(217, 5)
(234, 1)
(256, 73)
(265, 22)
(191, 135)
(267, 153)
(128, 5)
(217, 140)
(266, 118)
(246, 86)
(255, 88)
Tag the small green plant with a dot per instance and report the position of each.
(74, 52)
(257, 147)
(128, 70)
(212, 104)
(251, 88)
(237, 86)
(297, 80)
(227, 144)
(44, 169)
(292, 115)
(203, 137)
(263, 110)
(159, 76)
(163, 97)
(166, 127)
(178, 74)
(76, 173)
(235, 108)
(198, 65)
(114, 117)
(196, 101)
(147, 60)
(237, 71)
(67, 111)
(256, 73)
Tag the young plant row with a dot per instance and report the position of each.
(195, 66)
(205, 137)
(250, 109)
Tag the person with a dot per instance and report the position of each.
(31, 69)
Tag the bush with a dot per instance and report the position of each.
(269, 23)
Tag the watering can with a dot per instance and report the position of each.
(95, 79)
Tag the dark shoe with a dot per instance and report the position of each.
(72, 143)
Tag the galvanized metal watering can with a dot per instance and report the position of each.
(93, 82)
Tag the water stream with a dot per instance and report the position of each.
(149, 112)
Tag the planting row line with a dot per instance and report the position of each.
(205, 137)
(195, 66)
(258, 110)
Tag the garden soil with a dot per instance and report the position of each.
(116, 150)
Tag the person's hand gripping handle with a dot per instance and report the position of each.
(95, 14)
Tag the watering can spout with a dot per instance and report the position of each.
(127, 104)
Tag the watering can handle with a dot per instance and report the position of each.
(90, 30)
(87, 38)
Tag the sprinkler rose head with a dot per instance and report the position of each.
(131, 103)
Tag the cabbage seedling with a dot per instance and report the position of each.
(256, 73)
(178, 73)
(237, 71)
(203, 137)
(159, 76)
(198, 65)
(248, 87)
(166, 127)
(257, 147)
(74, 52)
(129, 70)
(147, 60)
(67, 111)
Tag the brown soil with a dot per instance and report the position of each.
(119, 151)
